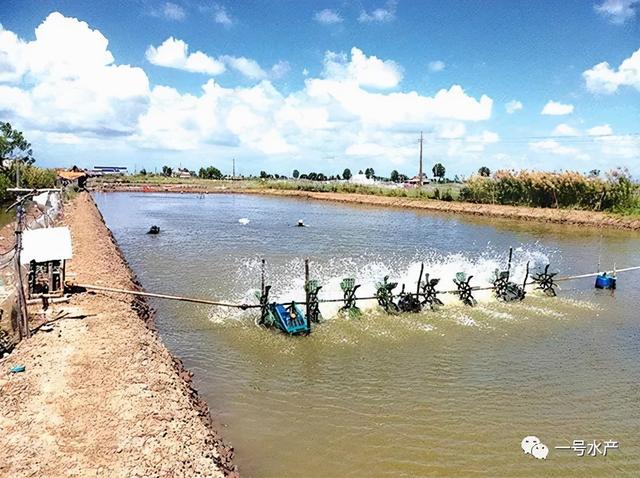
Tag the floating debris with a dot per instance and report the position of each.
(244, 221)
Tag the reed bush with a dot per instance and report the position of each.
(616, 192)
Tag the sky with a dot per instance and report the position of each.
(324, 85)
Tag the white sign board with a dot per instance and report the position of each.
(42, 245)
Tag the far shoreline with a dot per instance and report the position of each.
(571, 217)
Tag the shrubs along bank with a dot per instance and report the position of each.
(16, 158)
(616, 192)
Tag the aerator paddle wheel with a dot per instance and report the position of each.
(313, 304)
(545, 281)
(349, 288)
(384, 295)
(430, 293)
(508, 291)
(465, 290)
(266, 317)
(408, 302)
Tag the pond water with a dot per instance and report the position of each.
(445, 393)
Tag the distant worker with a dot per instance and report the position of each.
(301, 223)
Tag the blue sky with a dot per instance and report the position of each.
(325, 85)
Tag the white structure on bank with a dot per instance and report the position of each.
(361, 179)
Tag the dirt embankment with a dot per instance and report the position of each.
(548, 215)
(101, 395)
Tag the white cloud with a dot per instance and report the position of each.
(602, 130)
(172, 11)
(513, 106)
(380, 15)
(365, 70)
(564, 129)
(476, 143)
(554, 108)
(13, 56)
(604, 79)
(554, 147)
(452, 130)
(221, 16)
(280, 69)
(615, 146)
(436, 66)
(327, 17)
(336, 114)
(66, 81)
(246, 66)
(174, 53)
(617, 11)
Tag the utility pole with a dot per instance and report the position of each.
(420, 173)
(23, 319)
(233, 176)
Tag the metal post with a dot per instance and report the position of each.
(262, 279)
(306, 291)
(509, 267)
(419, 281)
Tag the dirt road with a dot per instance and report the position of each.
(102, 396)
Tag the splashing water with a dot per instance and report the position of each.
(287, 279)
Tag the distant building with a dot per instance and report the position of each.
(182, 173)
(416, 179)
(361, 179)
(103, 170)
(66, 178)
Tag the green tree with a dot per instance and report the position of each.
(210, 173)
(438, 171)
(14, 146)
(296, 174)
(346, 174)
(37, 178)
(263, 175)
(369, 173)
(394, 176)
(167, 171)
(484, 172)
(143, 172)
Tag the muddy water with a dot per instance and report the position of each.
(447, 393)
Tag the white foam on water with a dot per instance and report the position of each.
(465, 320)
(287, 279)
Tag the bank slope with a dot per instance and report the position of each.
(102, 396)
